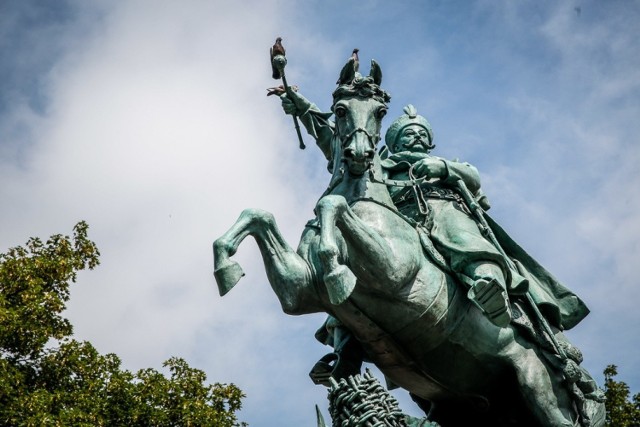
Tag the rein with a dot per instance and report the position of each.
(411, 182)
(415, 183)
(403, 183)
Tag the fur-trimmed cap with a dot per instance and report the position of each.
(410, 117)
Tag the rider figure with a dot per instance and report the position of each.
(442, 210)
(436, 204)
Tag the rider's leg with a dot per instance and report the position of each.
(489, 291)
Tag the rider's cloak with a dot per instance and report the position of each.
(456, 234)
(561, 307)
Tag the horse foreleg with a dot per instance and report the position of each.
(288, 273)
(338, 278)
(384, 257)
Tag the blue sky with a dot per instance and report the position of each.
(149, 120)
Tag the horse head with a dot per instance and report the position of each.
(359, 104)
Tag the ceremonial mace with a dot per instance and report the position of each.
(278, 62)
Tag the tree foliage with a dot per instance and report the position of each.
(621, 412)
(49, 379)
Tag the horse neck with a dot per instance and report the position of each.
(360, 187)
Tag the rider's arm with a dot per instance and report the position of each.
(315, 121)
(468, 173)
(448, 172)
(461, 171)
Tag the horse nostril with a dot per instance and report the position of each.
(349, 153)
(369, 154)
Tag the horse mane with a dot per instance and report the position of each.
(361, 87)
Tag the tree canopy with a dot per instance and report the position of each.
(47, 378)
(621, 411)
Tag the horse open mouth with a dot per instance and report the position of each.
(358, 165)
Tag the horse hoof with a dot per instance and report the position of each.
(340, 284)
(227, 276)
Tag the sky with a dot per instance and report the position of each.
(149, 120)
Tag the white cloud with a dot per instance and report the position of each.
(158, 133)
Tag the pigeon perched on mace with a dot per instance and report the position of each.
(278, 62)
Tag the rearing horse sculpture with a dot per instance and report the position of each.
(365, 264)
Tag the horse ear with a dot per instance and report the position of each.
(348, 72)
(376, 72)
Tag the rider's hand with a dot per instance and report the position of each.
(295, 104)
(431, 168)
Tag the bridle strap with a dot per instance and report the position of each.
(346, 138)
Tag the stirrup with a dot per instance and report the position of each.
(324, 369)
(492, 300)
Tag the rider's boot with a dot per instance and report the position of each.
(491, 298)
(488, 291)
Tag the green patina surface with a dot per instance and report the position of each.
(414, 275)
